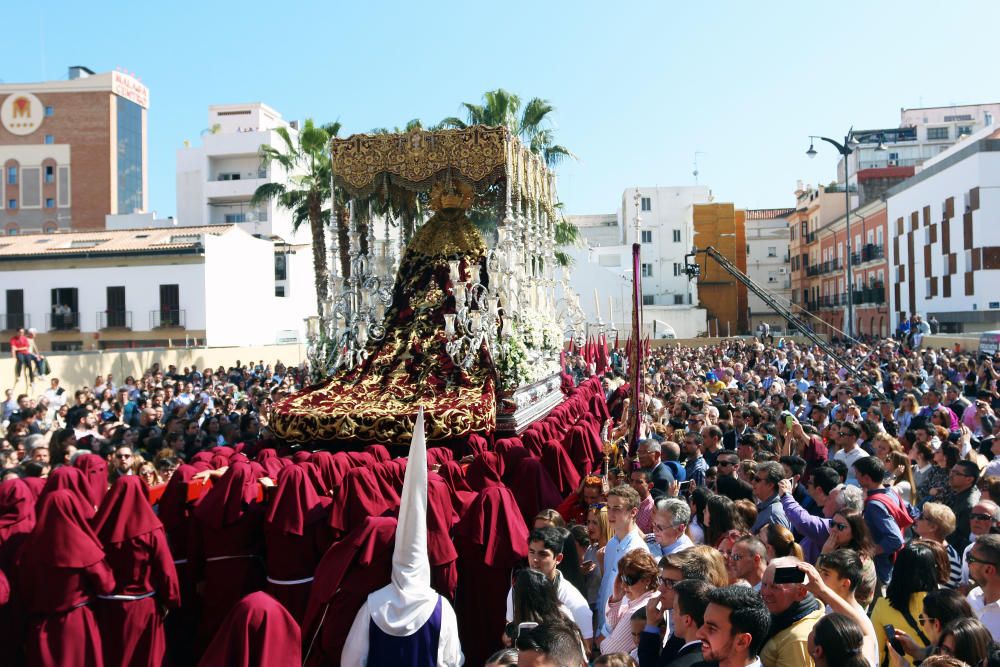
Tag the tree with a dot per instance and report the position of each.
(306, 193)
(529, 124)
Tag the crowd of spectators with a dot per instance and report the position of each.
(780, 508)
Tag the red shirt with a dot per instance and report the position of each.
(19, 344)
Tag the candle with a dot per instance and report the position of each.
(476, 319)
(597, 304)
(454, 270)
(362, 332)
(459, 290)
(449, 324)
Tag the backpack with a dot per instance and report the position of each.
(901, 511)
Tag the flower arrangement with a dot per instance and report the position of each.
(532, 352)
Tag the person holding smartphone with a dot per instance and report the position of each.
(794, 612)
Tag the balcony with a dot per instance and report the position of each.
(166, 318)
(869, 253)
(62, 322)
(232, 190)
(873, 294)
(884, 164)
(114, 319)
(14, 321)
(811, 237)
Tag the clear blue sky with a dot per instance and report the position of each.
(638, 87)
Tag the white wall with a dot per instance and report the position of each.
(772, 273)
(239, 289)
(142, 291)
(980, 169)
(672, 208)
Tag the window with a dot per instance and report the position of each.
(678, 299)
(772, 251)
(49, 228)
(647, 204)
(677, 236)
(64, 313)
(261, 172)
(50, 202)
(647, 236)
(279, 290)
(130, 167)
(937, 133)
(50, 174)
(647, 270)
(15, 309)
(11, 175)
(170, 305)
(235, 217)
(49, 111)
(67, 346)
(13, 230)
(230, 176)
(678, 269)
(49, 139)
(647, 299)
(116, 316)
(11, 203)
(964, 129)
(280, 267)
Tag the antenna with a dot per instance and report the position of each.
(695, 172)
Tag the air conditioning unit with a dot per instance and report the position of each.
(782, 270)
(893, 163)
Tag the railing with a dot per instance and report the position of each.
(114, 319)
(164, 318)
(882, 164)
(811, 237)
(62, 321)
(873, 294)
(14, 321)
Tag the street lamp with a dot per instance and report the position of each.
(845, 149)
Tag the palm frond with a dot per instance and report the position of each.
(267, 192)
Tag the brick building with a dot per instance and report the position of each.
(72, 151)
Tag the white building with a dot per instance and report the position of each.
(669, 297)
(944, 255)
(883, 157)
(216, 180)
(154, 287)
(768, 263)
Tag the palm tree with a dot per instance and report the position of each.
(306, 193)
(529, 124)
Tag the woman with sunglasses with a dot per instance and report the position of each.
(915, 574)
(634, 587)
(940, 607)
(848, 530)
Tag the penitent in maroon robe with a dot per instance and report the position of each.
(258, 632)
(350, 570)
(228, 545)
(296, 536)
(57, 573)
(135, 547)
(491, 539)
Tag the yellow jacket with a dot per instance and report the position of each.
(790, 647)
(883, 614)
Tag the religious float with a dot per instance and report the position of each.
(459, 307)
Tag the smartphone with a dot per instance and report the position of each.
(890, 636)
(789, 420)
(789, 575)
(685, 485)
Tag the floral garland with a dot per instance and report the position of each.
(532, 352)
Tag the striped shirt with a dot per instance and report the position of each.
(955, 567)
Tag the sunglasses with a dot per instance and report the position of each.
(666, 583)
(978, 516)
(597, 506)
(973, 559)
(726, 463)
(630, 579)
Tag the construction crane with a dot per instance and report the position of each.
(693, 270)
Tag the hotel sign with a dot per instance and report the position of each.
(21, 113)
(128, 87)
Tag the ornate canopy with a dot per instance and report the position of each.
(483, 156)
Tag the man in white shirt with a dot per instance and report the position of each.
(984, 569)
(985, 515)
(849, 453)
(623, 505)
(545, 552)
(670, 522)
